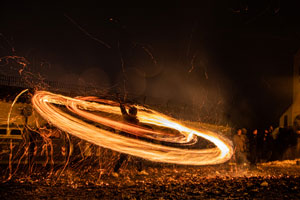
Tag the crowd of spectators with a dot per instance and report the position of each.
(255, 146)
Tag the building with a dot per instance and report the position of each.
(288, 117)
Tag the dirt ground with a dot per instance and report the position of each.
(277, 180)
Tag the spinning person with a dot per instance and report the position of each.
(130, 117)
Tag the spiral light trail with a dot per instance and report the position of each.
(86, 108)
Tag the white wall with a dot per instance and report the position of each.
(294, 109)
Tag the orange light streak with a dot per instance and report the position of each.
(45, 103)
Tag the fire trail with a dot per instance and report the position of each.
(81, 109)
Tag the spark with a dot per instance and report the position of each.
(45, 103)
(149, 54)
(192, 63)
(7, 130)
(123, 70)
(11, 107)
(18, 59)
(87, 33)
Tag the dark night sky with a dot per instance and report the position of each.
(241, 50)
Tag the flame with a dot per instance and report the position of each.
(47, 105)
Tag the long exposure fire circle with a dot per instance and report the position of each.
(46, 104)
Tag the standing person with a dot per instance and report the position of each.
(297, 151)
(240, 147)
(246, 136)
(296, 128)
(271, 129)
(130, 117)
(267, 145)
(254, 154)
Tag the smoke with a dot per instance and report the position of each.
(133, 81)
(95, 77)
(197, 97)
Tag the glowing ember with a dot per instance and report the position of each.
(46, 104)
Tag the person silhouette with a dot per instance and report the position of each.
(129, 117)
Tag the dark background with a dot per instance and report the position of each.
(235, 54)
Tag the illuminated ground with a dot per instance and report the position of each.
(271, 181)
(278, 180)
